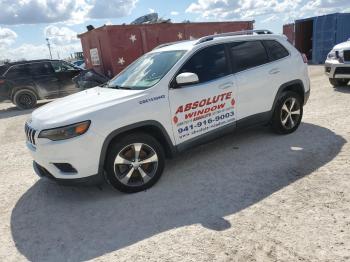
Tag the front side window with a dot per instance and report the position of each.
(147, 71)
(248, 54)
(60, 66)
(209, 64)
(275, 50)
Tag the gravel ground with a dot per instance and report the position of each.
(252, 196)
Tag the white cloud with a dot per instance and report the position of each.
(151, 10)
(174, 13)
(63, 41)
(7, 37)
(52, 11)
(251, 9)
(30, 51)
(60, 35)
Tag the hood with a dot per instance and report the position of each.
(341, 46)
(73, 107)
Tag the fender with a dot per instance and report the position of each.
(146, 124)
(285, 87)
(16, 89)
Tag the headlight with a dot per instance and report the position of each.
(332, 55)
(65, 132)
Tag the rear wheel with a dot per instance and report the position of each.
(25, 99)
(338, 82)
(288, 113)
(135, 163)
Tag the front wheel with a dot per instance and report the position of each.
(338, 82)
(288, 113)
(135, 163)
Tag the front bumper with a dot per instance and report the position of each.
(334, 69)
(86, 181)
(72, 159)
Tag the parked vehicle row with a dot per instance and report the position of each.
(168, 100)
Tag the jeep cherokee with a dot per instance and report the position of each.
(170, 99)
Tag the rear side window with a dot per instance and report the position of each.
(18, 71)
(3, 69)
(209, 64)
(39, 69)
(247, 55)
(275, 50)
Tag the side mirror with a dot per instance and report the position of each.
(187, 78)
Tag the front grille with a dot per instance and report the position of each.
(30, 133)
(347, 55)
(342, 70)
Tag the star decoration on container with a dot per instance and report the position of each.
(121, 61)
(133, 38)
(179, 35)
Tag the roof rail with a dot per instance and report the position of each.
(170, 43)
(243, 32)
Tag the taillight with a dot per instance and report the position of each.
(305, 58)
(2, 81)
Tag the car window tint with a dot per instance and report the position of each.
(275, 50)
(37, 69)
(60, 66)
(18, 71)
(3, 69)
(248, 54)
(209, 64)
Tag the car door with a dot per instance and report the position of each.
(65, 72)
(43, 76)
(208, 105)
(255, 76)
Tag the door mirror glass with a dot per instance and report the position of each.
(187, 78)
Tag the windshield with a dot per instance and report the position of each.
(146, 71)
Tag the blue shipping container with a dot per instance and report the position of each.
(316, 36)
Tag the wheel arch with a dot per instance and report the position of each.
(150, 127)
(296, 86)
(15, 90)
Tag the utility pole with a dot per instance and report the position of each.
(49, 46)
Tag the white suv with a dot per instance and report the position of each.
(337, 65)
(170, 99)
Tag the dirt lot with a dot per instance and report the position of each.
(252, 196)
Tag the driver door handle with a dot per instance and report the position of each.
(274, 71)
(226, 85)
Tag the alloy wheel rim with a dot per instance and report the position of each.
(135, 164)
(25, 100)
(290, 113)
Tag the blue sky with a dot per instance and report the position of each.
(24, 25)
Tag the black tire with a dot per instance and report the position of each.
(25, 99)
(282, 121)
(127, 176)
(338, 82)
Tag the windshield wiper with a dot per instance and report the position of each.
(120, 87)
(104, 85)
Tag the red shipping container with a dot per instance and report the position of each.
(110, 48)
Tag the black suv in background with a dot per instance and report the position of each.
(26, 82)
